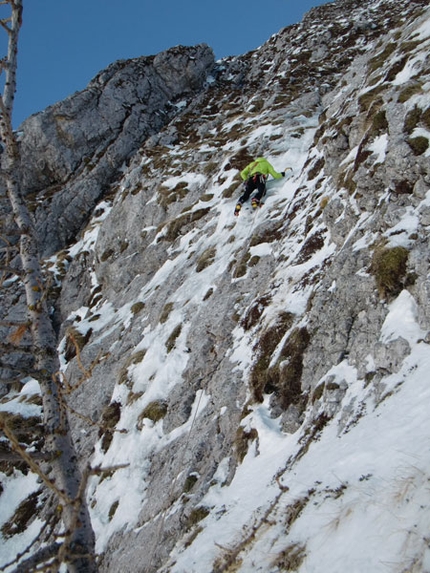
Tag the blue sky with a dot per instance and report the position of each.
(65, 43)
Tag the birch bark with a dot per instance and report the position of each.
(65, 478)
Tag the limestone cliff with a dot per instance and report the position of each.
(217, 342)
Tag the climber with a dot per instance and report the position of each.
(255, 175)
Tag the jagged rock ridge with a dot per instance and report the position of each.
(218, 339)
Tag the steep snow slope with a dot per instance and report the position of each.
(260, 388)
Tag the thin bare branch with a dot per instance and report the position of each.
(68, 388)
(11, 270)
(9, 247)
(14, 457)
(101, 471)
(45, 532)
(4, 24)
(14, 323)
(10, 381)
(44, 555)
(14, 372)
(6, 348)
(25, 456)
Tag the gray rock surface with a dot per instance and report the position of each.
(146, 158)
(74, 151)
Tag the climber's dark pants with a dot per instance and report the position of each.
(257, 181)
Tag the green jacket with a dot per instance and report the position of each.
(259, 165)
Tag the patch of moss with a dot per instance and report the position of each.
(318, 392)
(253, 261)
(409, 46)
(208, 294)
(166, 196)
(243, 440)
(312, 244)
(419, 145)
(408, 92)
(227, 193)
(269, 235)
(283, 379)
(362, 154)
(136, 189)
(312, 433)
(395, 69)
(323, 203)
(316, 169)
(63, 262)
(167, 309)
(27, 430)
(368, 99)
(295, 509)
(264, 349)
(171, 341)
(241, 158)
(206, 197)
(137, 307)
(106, 255)
(154, 411)
(291, 558)
(197, 515)
(379, 123)
(425, 118)
(190, 482)
(254, 312)
(412, 119)
(137, 357)
(113, 509)
(133, 359)
(378, 60)
(133, 397)
(110, 418)
(241, 266)
(389, 269)
(174, 228)
(206, 259)
(25, 511)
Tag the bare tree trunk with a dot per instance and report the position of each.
(66, 480)
(58, 441)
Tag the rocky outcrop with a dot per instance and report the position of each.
(74, 151)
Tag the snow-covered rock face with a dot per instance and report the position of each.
(259, 384)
